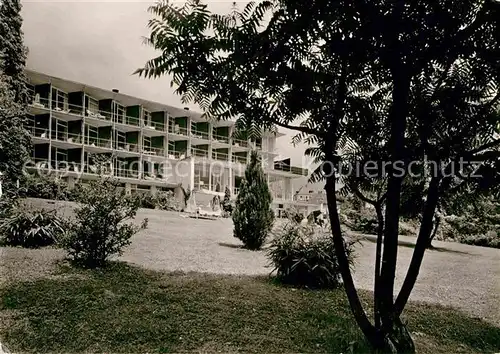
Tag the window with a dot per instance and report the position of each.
(92, 105)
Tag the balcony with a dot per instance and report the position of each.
(155, 126)
(176, 129)
(199, 135)
(38, 134)
(126, 149)
(67, 137)
(176, 155)
(199, 153)
(98, 142)
(240, 143)
(153, 151)
(220, 139)
(292, 169)
(39, 104)
(239, 159)
(98, 118)
(220, 156)
(126, 173)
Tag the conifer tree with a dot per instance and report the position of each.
(253, 216)
(12, 50)
(226, 202)
(14, 139)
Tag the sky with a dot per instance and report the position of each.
(100, 43)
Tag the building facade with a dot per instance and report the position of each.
(147, 146)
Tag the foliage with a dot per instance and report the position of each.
(160, 201)
(14, 139)
(252, 215)
(304, 256)
(227, 206)
(400, 82)
(31, 228)
(480, 227)
(12, 51)
(49, 187)
(100, 229)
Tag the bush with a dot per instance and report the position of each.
(45, 187)
(227, 206)
(31, 228)
(304, 256)
(253, 216)
(100, 229)
(161, 201)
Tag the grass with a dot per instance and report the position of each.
(128, 309)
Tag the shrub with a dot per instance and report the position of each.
(45, 187)
(226, 204)
(253, 216)
(100, 229)
(304, 256)
(161, 201)
(166, 201)
(31, 228)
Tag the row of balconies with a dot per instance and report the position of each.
(40, 105)
(43, 134)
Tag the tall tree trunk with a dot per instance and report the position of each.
(375, 337)
(397, 118)
(420, 247)
(378, 256)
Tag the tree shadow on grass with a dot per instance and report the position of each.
(124, 308)
(230, 245)
(407, 244)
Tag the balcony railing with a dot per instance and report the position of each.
(102, 115)
(176, 155)
(220, 139)
(98, 142)
(39, 102)
(37, 132)
(292, 169)
(155, 126)
(220, 156)
(239, 159)
(178, 130)
(200, 135)
(124, 146)
(239, 142)
(153, 151)
(126, 173)
(199, 153)
(67, 137)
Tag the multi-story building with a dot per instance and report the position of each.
(149, 146)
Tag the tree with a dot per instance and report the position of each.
(252, 215)
(12, 51)
(226, 202)
(14, 139)
(403, 73)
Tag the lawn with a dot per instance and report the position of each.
(130, 309)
